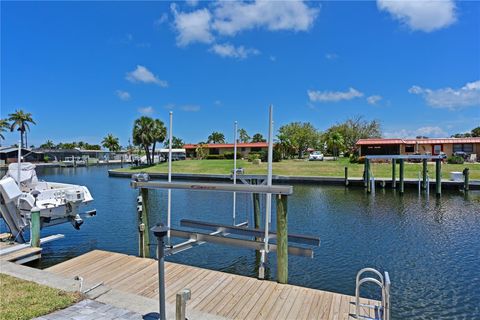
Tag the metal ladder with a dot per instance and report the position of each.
(382, 313)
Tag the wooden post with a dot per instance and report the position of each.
(144, 226)
(35, 228)
(367, 174)
(402, 169)
(424, 174)
(466, 179)
(438, 177)
(394, 178)
(346, 176)
(181, 304)
(282, 239)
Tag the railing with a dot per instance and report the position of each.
(384, 284)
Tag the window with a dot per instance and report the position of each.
(214, 151)
(243, 149)
(409, 148)
(256, 149)
(465, 147)
(437, 148)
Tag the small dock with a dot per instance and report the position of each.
(15, 252)
(226, 295)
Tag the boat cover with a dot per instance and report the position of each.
(27, 173)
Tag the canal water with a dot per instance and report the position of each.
(431, 247)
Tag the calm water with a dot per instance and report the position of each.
(430, 247)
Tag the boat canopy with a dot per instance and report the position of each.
(27, 173)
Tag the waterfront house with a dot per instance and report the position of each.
(10, 154)
(470, 146)
(220, 148)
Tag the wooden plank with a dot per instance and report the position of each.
(264, 286)
(197, 299)
(253, 313)
(298, 304)
(207, 306)
(5, 236)
(307, 305)
(16, 255)
(287, 305)
(244, 300)
(224, 309)
(284, 296)
(335, 307)
(276, 292)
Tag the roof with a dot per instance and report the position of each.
(418, 141)
(229, 145)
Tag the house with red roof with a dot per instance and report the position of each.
(220, 148)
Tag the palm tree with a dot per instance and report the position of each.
(243, 135)
(159, 132)
(142, 135)
(111, 143)
(4, 126)
(257, 137)
(216, 137)
(21, 119)
(335, 142)
(48, 145)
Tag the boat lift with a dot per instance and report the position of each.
(219, 233)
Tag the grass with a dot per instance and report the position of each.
(304, 168)
(20, 299)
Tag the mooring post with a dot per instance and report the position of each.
(256, 209)
(144, 226)
(466, 179)
(402, 171)
(181, 304)
(424, 174)
(367, 174)
(438, 177)
(160, 231)
(394, 178)
(35, 227)
(282, 239)
(346, 176)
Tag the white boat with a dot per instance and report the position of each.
(74, 162)
(21, 193)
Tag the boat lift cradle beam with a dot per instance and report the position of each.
(196, 238)
(223, 187)
(258, 233)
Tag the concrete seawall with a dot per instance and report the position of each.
(352, 182)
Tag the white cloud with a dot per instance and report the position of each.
(146, 110)
(142, 74)
(428, 131)
(192, 3)
(190, 108)
(431, 132)
(232, 17)
(163, 18)
(123, 95)
(426, 15)
(466, 96)
(333, 96)
(192, 27)
(217, 102)
(374, 99)
(228, 50)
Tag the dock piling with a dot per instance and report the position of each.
(424, 174)
(144, 237)
(35, 228)
(466, 179)
(367, 174)
(438, 177)
(282, 239)
(346, 176)
(402, 171)
(181, 304)
(394, 178)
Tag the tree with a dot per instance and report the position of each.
(177, 143)
(216, 137)
(476, 132)
(201, 151)
(257, 137)
(142, 135)
(356, 128)
(4, 126)
(243, 135)
(21, 120)
(298, 136)
(111, 143)
(48, 145)
(334, 141)
(159, 132)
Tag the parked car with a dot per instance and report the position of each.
(316, 156)
(462, 154)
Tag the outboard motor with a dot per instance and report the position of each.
(73, 197)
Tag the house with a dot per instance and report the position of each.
(220, 148)
(419, 146)
(10, 155)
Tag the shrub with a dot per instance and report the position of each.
(354, 158)
(252, 156)
(215, 157)
(455, 160)
(277, 154)
(229, 155)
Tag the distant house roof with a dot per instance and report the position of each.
(229, 145)
(8, 149)
(417, 141)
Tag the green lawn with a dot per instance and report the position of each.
(20, 299)
(304, 168)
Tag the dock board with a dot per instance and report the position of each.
(228, 295)
(20, 256)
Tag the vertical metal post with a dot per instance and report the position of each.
(19, 162)
(346, 176)
(234, 168)
(424, 174)
(35, 227)
(160, 231)
(394, 178)
(438, 177)
(282, 239)
(402, 171)
(466, 179)
(169, 192)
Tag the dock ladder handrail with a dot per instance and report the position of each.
(384, 283)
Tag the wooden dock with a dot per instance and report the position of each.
(223, 294)
(9, 251)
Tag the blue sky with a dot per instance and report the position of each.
(87, 69)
